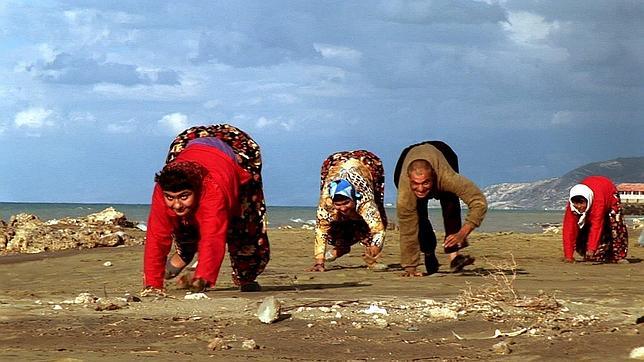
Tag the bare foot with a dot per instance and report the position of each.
(411, 273)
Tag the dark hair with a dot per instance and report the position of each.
(178, 176)
(578, 199)
(340, 198)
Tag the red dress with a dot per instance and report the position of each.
(604, 200)
(218, 201)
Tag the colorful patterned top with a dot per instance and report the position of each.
(364, 171)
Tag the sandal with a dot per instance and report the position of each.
(251, 287)
(459, 262)
(172, 271)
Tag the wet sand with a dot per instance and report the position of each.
(593, 316)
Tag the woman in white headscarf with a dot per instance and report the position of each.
(593, 222)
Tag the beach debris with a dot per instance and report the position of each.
(85, 298)
(142, 227)
(637, 353)
(107, 263)
(497, 334)
(374, 309)
(57, 307)
(269, 310)
(196, 296)
(249, 344)
(502, 347)
(26, 233)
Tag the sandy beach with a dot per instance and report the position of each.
(518, 302)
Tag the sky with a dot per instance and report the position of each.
(93, 92)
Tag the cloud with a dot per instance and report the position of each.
(442, 11)
(263, 122)
(174, 122)
(525, 27)
(338, 52)
(123, 127)
(64, 68)
(34, 118)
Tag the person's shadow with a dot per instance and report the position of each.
(294, 287)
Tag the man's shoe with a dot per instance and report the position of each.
(459, 262)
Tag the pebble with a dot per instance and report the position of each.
(637, 353)
(502, 348)
(269, 311)
(107, 263)
(217, 344)
(381, 323)
(57, 307)
(249, 344)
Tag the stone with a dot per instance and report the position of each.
(217, 344)
(440, 313)
(501, 348)
(269, 310)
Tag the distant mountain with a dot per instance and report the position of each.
(551, 194)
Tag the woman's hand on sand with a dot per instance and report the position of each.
(317, 267)
(570, 261)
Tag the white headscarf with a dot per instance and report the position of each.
(585, 192)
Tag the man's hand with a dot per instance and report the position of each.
(317, 267)
(459, 237)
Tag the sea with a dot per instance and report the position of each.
(525, 221)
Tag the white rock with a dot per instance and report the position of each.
(142, 227)
(440, 313)
(338, 315)
(196, 296)
(107, 263)
(325, 309)
(249, 344)
(57, 307)
(637, 353)
(269, 311)
(374, 309)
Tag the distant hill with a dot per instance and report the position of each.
(551, 194)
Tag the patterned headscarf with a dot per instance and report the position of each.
(344, 188)
(585, 192)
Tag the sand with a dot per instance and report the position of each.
(559, 311)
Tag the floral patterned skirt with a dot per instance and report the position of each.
(613, 245)
(247, 238)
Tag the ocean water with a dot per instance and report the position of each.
(295, 216)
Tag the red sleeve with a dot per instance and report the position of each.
(569, 233)
(596, 219)
(213, 217)
(158, 241)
